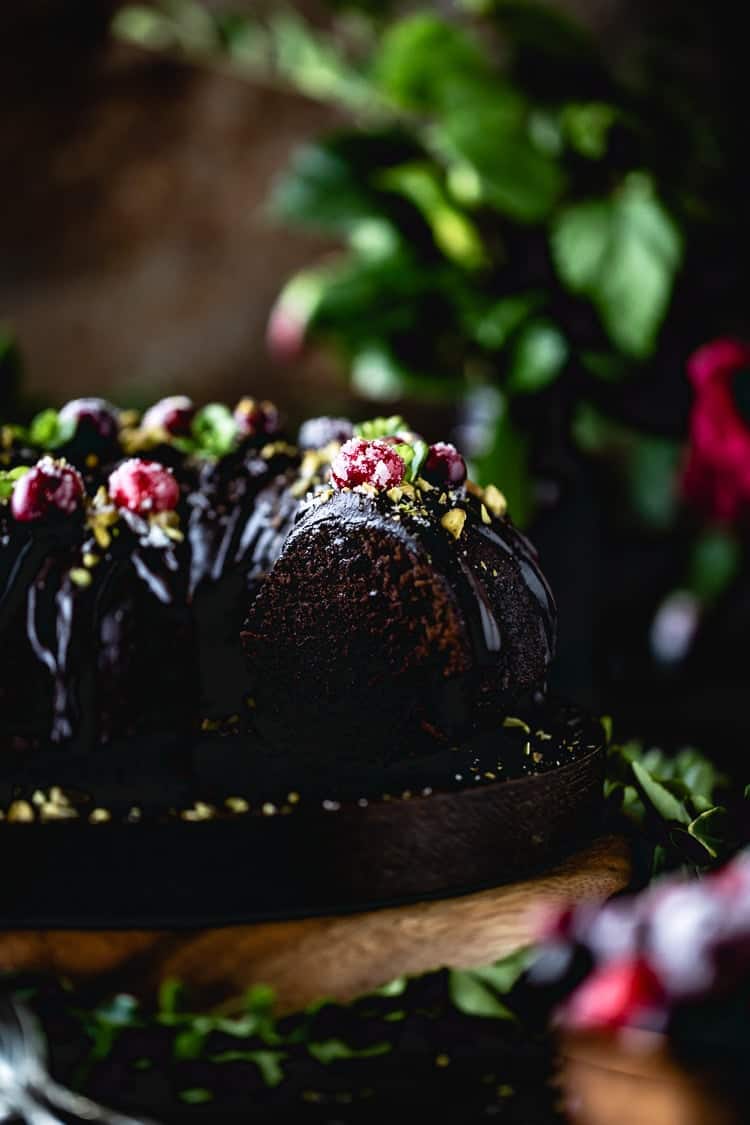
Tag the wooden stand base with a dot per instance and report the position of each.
(337, 957)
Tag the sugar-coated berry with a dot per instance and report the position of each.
(95, 419)
(173, 414)
(444, 465)
(316, 433)
(257, 419)
(620, 994)
(367, 462)
(51, 487)
(143, 487)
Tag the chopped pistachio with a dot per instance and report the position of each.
(513, 721)
(52, 811)
(495, 500)
(90, 559)
(486, 517)
(20, 812)
(99, 816)
(91, 460)
(80, 576)
(424, 485)
(453, 521)
(292, 798)
(237, 804)
(395, 494)
(268, 808)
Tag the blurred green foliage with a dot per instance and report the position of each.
(497, 199)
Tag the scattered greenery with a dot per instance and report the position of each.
(214, 432)
(680, 807)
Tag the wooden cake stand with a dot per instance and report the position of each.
(306, 959)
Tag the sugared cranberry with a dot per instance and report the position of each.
(51, 487)
(444, 465)
(316, 433)
(256, 419)
(143, 487)
(173, 414)
(623, 993)
(95, 420)
(367, 462)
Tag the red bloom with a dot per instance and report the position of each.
(716, 478)
(622, 994)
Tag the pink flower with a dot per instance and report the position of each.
(625, 993)
(716, 478)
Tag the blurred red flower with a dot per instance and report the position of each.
(716, 478)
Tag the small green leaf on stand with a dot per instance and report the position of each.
(197, 1095)
(663, 802)
(710, 830)
(476, 997)
(330, 1050)
(539, 355)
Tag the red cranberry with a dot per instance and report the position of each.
(617, 995)
(316, 433)
(51, 487)
(367, 462)
(256, 419)
(173, 414)
(95, 420)
(444, 465)
(143, 487)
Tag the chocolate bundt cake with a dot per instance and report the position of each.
(356, 600)
(333, 652)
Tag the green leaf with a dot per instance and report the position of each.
(49, 431)
(425, 62)
(515, 176)
(171, 996)
(268, 1062)
(538, 357)
(587, 125)
(8, 478)
(214, 430)
(197, 1095)
(323, 188)
(454, 232)
(715, 561)
(375, 428)
(710, 829)
(504, 974)
(652, 473)
(475, 996)
(492, 322)
(664, 802)
(622, 253)
(330, 1050)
